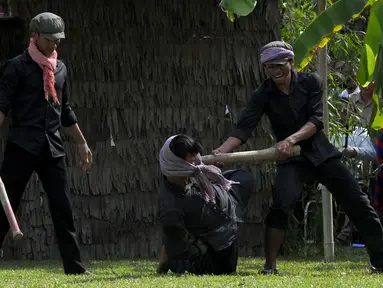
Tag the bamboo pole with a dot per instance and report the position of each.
(248, 157)
(328, 236)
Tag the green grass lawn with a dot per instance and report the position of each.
(350, 270)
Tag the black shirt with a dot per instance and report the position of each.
(184, 212)
(289, 113)
(35, 120)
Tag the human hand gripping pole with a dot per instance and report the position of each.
(16, 232)
(247, 157)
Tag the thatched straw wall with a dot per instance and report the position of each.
(142, 71)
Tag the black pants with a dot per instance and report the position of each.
(221, 262)
(341, 183)
(242, 191)
(16, 170)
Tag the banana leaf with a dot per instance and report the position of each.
(237, 8)
(328, 23)
(372, 40)
(377, 119)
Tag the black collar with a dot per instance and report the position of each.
(177, 189)
(26, 57)
(295, 79)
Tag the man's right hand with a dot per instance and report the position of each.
(349, 152)
(283, 149)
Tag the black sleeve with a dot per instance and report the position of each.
(9, 82)
(315, 104)
(68, 117)
(251, 116)
(176, 242)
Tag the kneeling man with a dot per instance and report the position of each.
(200, 210)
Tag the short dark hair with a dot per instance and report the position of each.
(183, 145)
(280, 44)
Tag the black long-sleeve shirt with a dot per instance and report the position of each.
(35, 120)
(289, 113)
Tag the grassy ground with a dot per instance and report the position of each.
(350, 270)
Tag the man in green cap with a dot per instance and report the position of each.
(34, 85)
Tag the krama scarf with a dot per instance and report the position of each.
(171, 165)
(48, 64)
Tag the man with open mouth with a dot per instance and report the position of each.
(293, 103)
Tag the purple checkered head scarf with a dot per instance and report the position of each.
(173, 166)
(276, 52)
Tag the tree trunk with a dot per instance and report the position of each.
(140, 72)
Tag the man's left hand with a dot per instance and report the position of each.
(86, 156)
(283, 149)
(216, 152)
(349, 152)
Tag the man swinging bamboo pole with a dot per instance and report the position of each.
(293, 102)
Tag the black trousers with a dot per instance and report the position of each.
(343, 186)
(16, 170)
(223, 262)
(242, 191)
